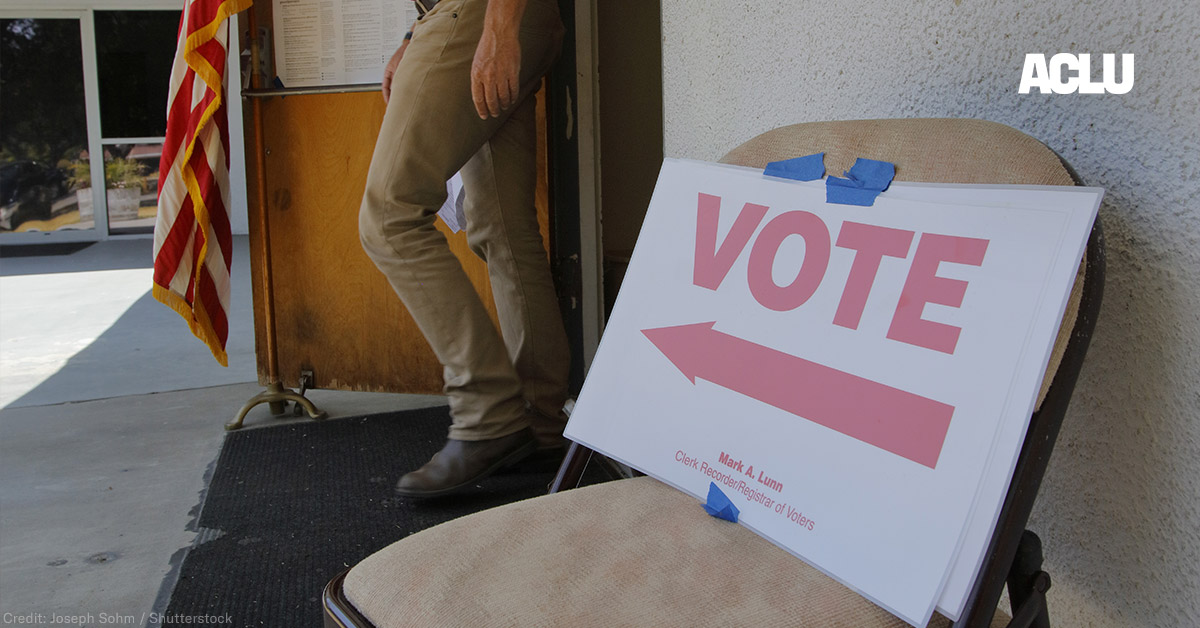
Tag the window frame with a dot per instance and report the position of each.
(84, 12)
(91, 102)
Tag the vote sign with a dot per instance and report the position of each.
(853, 378)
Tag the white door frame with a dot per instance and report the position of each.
(91, 99)
(591, 251)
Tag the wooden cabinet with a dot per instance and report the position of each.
(334, 314)
(320, 305)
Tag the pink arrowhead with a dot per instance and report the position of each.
(898, 421)
(684, 345)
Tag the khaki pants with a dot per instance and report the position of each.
(496, 384)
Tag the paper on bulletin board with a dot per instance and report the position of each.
(858, 446)
(337, 42)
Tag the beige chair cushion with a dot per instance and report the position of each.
(934, 150)
(625, 553)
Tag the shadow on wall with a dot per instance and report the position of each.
(1118, 509)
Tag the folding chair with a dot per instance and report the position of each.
(635, 552)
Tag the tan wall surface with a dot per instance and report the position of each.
(1119, 511)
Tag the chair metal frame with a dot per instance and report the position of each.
(1014, 555)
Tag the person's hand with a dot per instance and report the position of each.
(390, 70)
(496, 72)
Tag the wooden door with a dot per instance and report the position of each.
(334, 314)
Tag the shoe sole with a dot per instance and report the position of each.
(513, 458)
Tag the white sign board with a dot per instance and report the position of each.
(856, 379)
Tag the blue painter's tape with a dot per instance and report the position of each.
(836, 191)
(719, 505)
(873, 173)
(865, 180)
(807, 168)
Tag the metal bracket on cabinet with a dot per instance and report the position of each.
(276, 397)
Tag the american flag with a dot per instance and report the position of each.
(192, 238)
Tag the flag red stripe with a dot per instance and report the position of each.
(175, 132)
(223, 129)
(212, 306)
(202, 12)
(189, 295)
(213, 53)
(196, 116)
(170, 256)
(207, 182)
(198, 253)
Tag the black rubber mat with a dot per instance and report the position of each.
(290, 507)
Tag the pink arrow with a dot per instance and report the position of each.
(901, 422)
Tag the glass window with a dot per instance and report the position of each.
(131, 182)
(43, 126)
(134, 53)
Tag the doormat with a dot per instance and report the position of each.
(290, 507)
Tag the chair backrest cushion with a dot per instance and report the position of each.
(937, 150)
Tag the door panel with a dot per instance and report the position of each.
(334, 313)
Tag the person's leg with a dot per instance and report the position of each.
(502, 228)
(430, 130)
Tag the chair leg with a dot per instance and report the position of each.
(570, 473)
(339, 612)
(1027, 585)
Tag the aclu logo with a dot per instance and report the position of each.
(1053, 76)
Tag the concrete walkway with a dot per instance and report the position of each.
(111, 419)
(85, 326)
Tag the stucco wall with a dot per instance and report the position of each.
(1120, 509)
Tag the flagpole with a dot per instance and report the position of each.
(276, 396)
(260, 190)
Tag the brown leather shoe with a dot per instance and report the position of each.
(461, 463)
